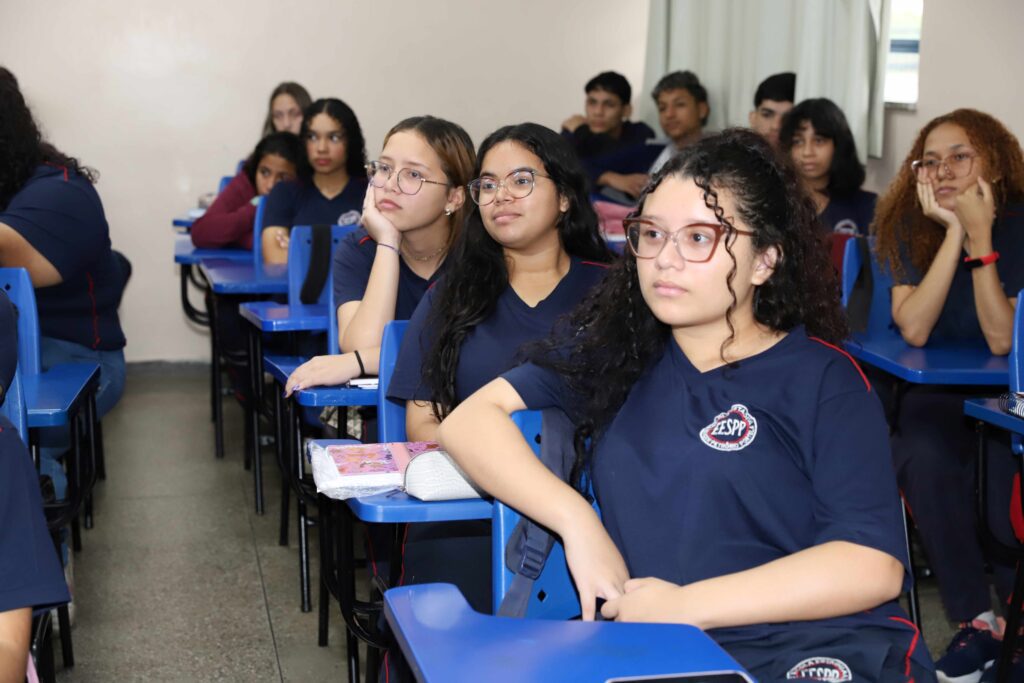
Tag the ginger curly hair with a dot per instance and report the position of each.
(899, 220)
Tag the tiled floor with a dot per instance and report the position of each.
(180, 580)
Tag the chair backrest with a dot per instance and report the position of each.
(390, 413)
(13, 407)
(553, 595)
(18, 285)
(224, 182)
(257, 231)
(880, 307)
(1017, 351)
(300, 255)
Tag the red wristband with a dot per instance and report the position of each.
(972, 263)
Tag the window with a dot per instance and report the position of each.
(904, 52)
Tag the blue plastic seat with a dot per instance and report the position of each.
(880, 307)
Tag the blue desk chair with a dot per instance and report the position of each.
(296, 316)
(56, 398)
(987, 411)
(224, 182)
(875, 284)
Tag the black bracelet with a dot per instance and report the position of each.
(362, 368)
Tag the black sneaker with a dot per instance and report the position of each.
(969, 654)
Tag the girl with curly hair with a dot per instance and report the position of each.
(739, 457)
(951, 230)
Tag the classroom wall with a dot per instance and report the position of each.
(165, 98)
(971, 56)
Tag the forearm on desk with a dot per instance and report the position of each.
(361, 324)
(915, 313)
(995, 310)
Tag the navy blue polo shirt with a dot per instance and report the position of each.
(704, 474)
(300, 202)
(849, 214)
(490, 348)
(959, 317)
(30, 573)
(353, 261)
(590, 144)
(60, 214)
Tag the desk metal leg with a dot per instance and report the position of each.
(303, 517)
(912, 599)
(328, 566)
(256, 375)
(282, 436)
(218, 408)
(75, 484)
(191, 312)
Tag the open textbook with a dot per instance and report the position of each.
(420, 468)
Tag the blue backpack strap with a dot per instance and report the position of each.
(530, 544)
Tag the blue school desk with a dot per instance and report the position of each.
(227, 276)
(183, 223)
(938, 362)
(443, 639)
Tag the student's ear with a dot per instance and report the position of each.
(627, 111)
(456, 198)
(750, 117)
(764, 265)
(702, 107)
(563, 203)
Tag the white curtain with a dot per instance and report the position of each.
(837, 48)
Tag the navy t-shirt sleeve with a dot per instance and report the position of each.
(540, 388)
(407, 381)
(351, 270)
(855, 494)
(62, 219)
(30, 573)
(282, 203)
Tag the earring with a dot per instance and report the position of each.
(447, 212)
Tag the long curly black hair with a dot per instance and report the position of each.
(22, 147)
(612, 337)
(478, 271)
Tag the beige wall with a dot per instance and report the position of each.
(165, 97)
(972, 55)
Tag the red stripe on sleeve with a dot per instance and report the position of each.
(848, 357)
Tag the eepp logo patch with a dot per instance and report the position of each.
(821, 669)
(732, 430)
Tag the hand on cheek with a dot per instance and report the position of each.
(975, 208)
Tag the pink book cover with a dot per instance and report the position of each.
(379, 459)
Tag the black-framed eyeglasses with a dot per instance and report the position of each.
(410, 181)
(957, 165)
(517, 184)
(695, 242)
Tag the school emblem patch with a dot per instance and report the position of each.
(820, 669)
(732, 430)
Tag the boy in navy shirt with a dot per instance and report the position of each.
(773, 98)
(739, 457)
(606, 126)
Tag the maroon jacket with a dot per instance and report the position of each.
(229, 220)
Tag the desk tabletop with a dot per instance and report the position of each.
(50, 396)
(236, 277)
(939, 362)
(187, 253)
(398, 507)
(988, 410)
(445, 640)
(270, 316)
(183, 223)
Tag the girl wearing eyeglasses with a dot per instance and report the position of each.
(331, 185)
(412, 212)
(951, 230)
(739, 457)
(528, 253)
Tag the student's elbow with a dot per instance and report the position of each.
(883, 576)
(999, 344)
(915, 335)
